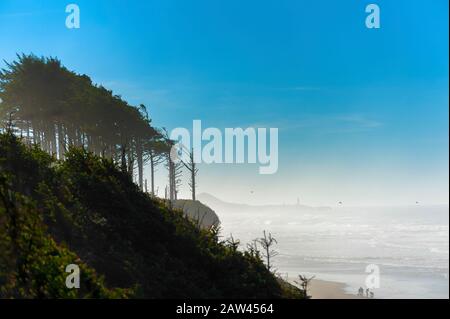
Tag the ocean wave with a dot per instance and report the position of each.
(403, 262)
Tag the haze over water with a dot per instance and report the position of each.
(410, 244)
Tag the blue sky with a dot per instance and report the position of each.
(362, 113)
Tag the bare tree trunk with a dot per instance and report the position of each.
(171, 179)
(130, 163)
(123, 164)
(193, 184)
(152, 168)
(61, 143)
(192, 167)
(140, 162)
(28, 133)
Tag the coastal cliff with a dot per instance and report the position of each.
(198, 213)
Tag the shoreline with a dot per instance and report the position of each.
(324, 289)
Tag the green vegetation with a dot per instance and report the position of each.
(67, 196)
(85, 210)
(56, 108)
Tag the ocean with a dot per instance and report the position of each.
(408, 245)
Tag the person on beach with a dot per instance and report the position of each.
(367, 292)
(360, 291)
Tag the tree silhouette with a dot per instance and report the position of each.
(268, 252)
(304, 283)
(154, 150)
(191, 166)
(56, 108)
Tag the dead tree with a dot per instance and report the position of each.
(171, 169)
(267, 242)
(191, 166)
(170, 152)
(175, 172)
(155, 159)
(178, 172)
(304, 283)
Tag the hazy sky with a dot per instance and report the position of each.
(362, 113)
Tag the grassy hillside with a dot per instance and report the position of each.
(84, 210)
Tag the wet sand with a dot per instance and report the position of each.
(321, 289)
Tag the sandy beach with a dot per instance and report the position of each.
(321, 289)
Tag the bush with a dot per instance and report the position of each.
(84, 210)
